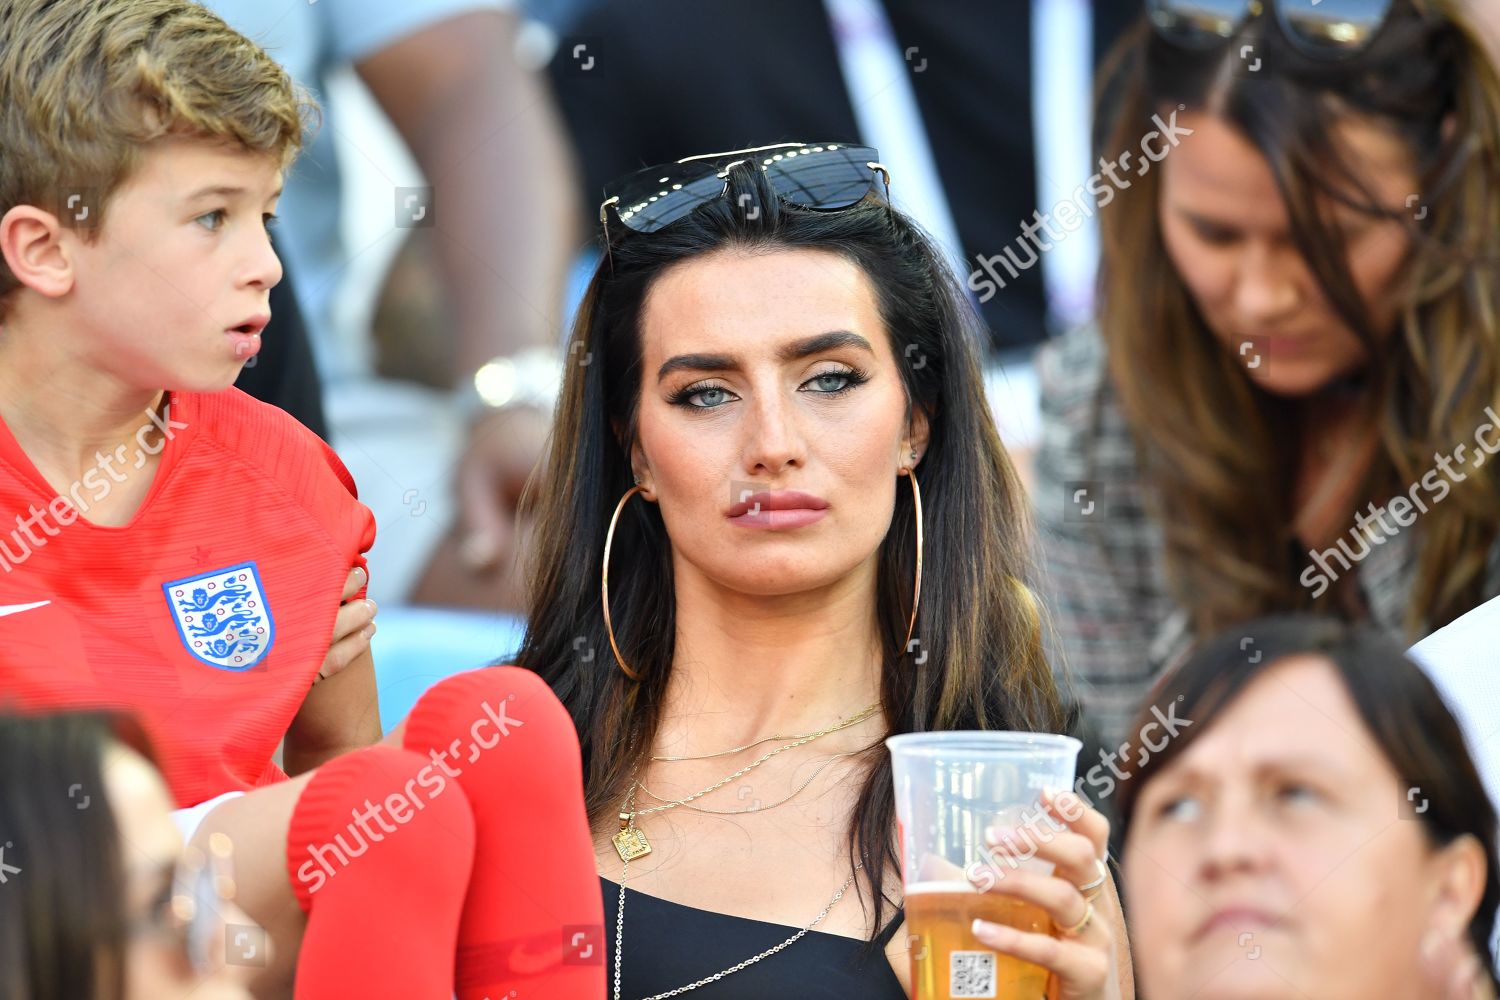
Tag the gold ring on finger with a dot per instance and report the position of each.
(1077, 929)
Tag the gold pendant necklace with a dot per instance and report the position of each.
(631, 842)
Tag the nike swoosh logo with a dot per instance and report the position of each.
(15, 609)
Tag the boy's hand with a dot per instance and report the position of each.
(351, 629)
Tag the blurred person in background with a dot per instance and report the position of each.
(1319, 830)
(1290, 394)
(99, 899)
(441, 470)
(972, 102)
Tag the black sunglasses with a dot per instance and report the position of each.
(823, 176)
(1322, 29)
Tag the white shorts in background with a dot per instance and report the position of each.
(187, 820)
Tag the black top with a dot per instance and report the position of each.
(668, 945)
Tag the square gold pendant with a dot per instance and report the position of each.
(631, 843)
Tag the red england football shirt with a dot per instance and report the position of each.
(210, 612)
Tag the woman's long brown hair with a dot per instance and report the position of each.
(979, 664)
(1218, 454)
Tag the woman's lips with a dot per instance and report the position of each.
(777, 509)
(1237, 920)
(776, 520)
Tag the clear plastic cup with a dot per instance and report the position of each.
(950, 788)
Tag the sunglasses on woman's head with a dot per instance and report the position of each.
(1324, 29)
(823, 177)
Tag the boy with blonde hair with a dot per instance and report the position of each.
(173, 545)
(178, 546)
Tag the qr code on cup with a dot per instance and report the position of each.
(971, 974)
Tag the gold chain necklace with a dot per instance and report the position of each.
(620, 928)
(760, 808)
(631, 842)
(771, 739)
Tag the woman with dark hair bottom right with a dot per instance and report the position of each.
(1318, 831)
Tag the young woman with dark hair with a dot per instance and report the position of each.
(830, 545)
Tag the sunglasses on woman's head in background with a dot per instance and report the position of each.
(1325, 29)
(823, 177)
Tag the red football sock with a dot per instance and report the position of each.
(533, 919)
(379, 853)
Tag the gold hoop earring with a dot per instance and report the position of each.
(604, 581)
(916, 595)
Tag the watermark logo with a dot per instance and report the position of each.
(740, 493)
(20, 543)
(1371, 527)
(244, 944)
(414, 208)
(584, 59)
(1414, 803)
(1254, 355)
(1070, 214)
(79, 207)
(371, 825)
(583, 944)
(1083, 500)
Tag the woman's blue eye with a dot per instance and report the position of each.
(846, 380)
(271, 219)
(706, 392)
(218, 215)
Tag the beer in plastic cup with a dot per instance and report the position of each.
(951, 787)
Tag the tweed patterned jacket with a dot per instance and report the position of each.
(1116, 625)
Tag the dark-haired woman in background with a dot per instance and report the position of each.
(1290, 397)
(772, 356)
(97, 902)
(1318, 831)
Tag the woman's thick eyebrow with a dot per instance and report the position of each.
(791, 352)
